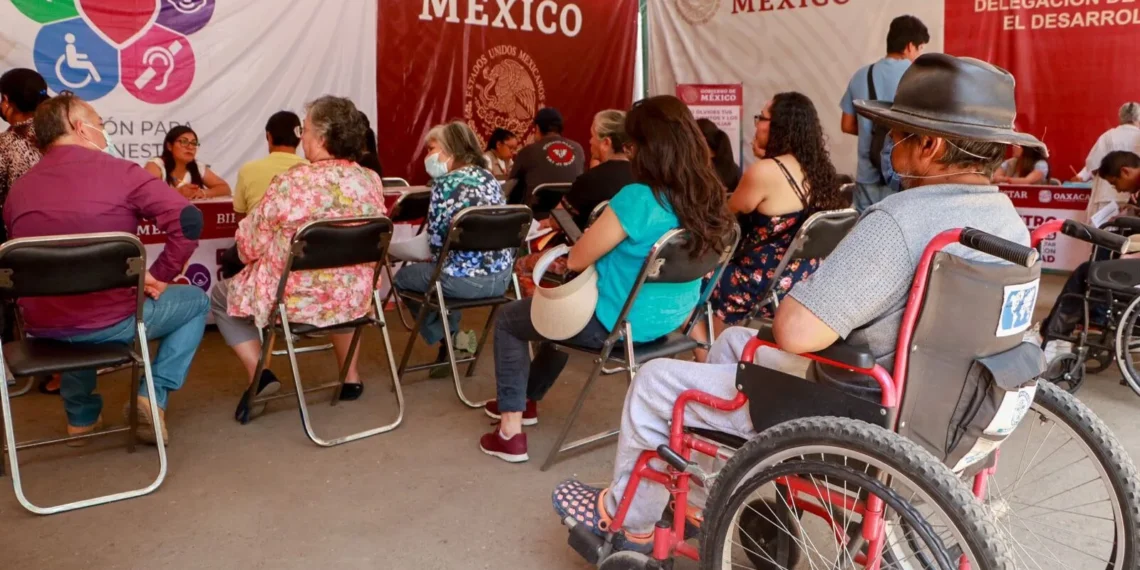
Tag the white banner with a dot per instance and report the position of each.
(771, 46)
(148, 65)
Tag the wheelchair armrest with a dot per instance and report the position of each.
(838, 352)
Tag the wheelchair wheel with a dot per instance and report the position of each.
(1065, 494)
(828, 468)
(1128, 345)
(1066, 371)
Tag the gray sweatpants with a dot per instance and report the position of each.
(649, 409)
(236, 330)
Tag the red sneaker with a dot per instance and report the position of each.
(530, 415)
(511, 450)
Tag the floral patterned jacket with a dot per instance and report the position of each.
(462, 188)
(306, 192)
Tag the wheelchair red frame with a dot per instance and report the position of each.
(670, 541)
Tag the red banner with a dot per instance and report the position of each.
(494, 64)
(1072, 60)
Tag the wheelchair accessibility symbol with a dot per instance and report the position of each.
(72, 57)
(1017, 308)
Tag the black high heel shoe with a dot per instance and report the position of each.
(350, 392)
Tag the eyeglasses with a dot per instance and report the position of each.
(188, 143)
(757, 119)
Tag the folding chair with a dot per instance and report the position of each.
(816, 238)
(409, 208)
(547, 197)
(394, 182)
(669, 262)
(478, 228)
(47, 267)
(322, 245)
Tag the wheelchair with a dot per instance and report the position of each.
(1110, 288)
(833, 480)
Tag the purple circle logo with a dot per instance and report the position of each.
(199, 276)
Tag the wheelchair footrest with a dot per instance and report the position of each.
(587, 544)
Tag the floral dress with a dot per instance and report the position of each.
(306, 192)
(764, 242)
(451, 193)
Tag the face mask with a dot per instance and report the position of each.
(894, 181)
(110, 148)
(434, 166)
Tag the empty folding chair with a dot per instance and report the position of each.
(323, 245)
(478, 228)
(668, 262)
(76, 265)
(815, 239)
(547, 197)
(394, 182)
(410, 207)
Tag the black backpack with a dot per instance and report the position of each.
(878, 130)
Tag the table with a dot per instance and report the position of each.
(1040, 204)
(220, 223)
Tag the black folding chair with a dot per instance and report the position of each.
(48, 267)
(321, 245)
(478, 228)
(669, 262)
(394, 182)
(547, 197)
(816, 239)
(409, 208)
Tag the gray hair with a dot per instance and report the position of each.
(1130, 113)
(458, 140)
(966, 153)
(337, 121)
(610, 124)
(53, 118)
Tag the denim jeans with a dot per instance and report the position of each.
(177, 318)
(417, 277)
(518, 379)
(867, 195)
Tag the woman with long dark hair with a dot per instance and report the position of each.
(676, 188)
(773, 199)
(720, 146)
(178, 167)
(1028, 166)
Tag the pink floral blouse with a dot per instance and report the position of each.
(306, 192)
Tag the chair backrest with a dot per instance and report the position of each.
(394, 182)
(816, 239)
(340, 242)
(410, 206)
(488, 228)
(596, 213)
(970, 328)
(546, 198)
(56, 266)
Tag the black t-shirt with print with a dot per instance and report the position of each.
(550, 160)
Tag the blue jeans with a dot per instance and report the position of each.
(516, 378)
(417, 277)
(177, 318)
(867, 195)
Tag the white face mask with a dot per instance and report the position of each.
(905, 177)
(110, 148)
(435, 167)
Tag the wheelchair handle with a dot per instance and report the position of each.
(1099, 238)
(998, 247)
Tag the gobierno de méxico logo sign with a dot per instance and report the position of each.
(89, 47)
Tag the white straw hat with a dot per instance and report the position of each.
(559, 313)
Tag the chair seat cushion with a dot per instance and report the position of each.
(671, 344)
(35, 357)
(727, 440)
(454, 303)
(1118, 274)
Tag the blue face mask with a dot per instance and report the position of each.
(894, 181)
(434, 166)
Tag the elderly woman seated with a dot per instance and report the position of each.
(460, 179)
(332, 185)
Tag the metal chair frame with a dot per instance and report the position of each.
(438, 302)
(398, 216)
(375, 317)
(394, 182)
(623, 333)
(559, 188)
(140, 355)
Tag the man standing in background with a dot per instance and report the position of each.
(1125, 137)
(878, 81)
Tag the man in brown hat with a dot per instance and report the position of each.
(951, 121)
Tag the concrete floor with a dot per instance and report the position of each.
(263, 496)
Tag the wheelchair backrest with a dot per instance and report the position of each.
(970, 377)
